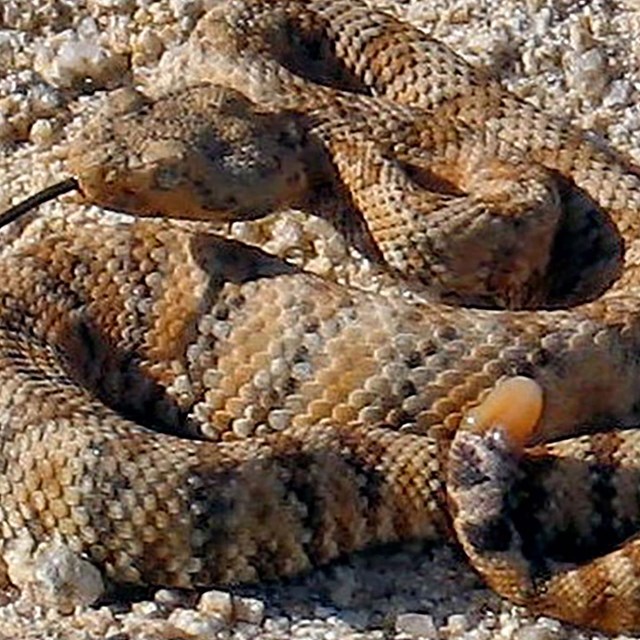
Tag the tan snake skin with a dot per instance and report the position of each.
(301, 419)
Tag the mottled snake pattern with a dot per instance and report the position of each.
(183, 409)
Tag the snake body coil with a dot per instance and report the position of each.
(187, 410)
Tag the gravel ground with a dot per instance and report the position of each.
(576, 60)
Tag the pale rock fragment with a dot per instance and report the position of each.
(416, 625)
(53, 575)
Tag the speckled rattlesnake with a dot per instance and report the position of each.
(109, 334)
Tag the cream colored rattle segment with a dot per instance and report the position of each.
(514, 405)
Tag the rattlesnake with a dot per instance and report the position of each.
(301, 419)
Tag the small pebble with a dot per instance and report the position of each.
(416, 625)
(587, 73)
(197, 624)
(54, 575)
(217, 602)
(41, 133)
(146, 609)
(457, 623)
(116, 5)
(618, 94)
(186, 8)
(173, 598)
(249, 610)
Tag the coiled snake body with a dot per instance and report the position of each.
(301, 419)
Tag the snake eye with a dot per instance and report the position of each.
(167, 177)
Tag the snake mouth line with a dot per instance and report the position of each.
(49, 193)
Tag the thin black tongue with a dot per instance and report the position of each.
(49, 193)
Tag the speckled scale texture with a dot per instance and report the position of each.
(186, 410)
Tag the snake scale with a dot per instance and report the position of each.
(184, 409)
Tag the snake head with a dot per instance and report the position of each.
(203, 153)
